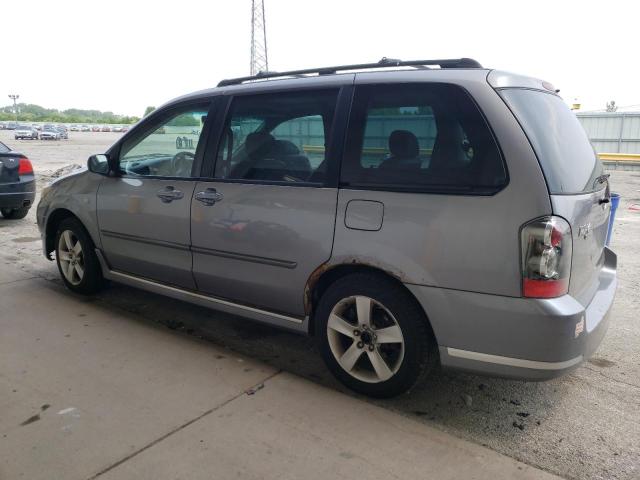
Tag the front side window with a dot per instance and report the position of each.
(280, 137)
(169, 149)
(425, 137)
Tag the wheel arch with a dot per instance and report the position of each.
(325, 275)
(53, 221)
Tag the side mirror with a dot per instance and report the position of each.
(98, 164)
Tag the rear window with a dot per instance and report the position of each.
(567, 158)
(3, 148)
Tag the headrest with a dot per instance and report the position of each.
(258, 144)
(285, 147)
(403, 144)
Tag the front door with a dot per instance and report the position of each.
(265, 221)
(143, 213)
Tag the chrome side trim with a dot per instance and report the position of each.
(205, 251)
(148, 241)
(245, 258)
(265, 316)
(513, 362)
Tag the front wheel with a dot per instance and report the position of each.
(76, 258)
(374, 336)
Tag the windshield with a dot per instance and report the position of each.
(567, 158)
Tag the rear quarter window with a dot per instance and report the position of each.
(426, 137)
(567, 158)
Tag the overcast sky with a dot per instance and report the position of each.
(124, 55)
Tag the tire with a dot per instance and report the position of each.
(14, 213)
(393, 309)
(80, 269)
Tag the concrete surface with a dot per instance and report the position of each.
(582, 426)
(92, 392)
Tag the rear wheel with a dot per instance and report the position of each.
(76, 258)
(374, 336)
(14, 213)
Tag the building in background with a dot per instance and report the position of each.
(614, 132)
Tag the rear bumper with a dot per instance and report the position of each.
(521, 338)
(19, 195)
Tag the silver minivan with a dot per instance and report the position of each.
(407, 214)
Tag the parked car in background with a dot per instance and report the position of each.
(11, 125)
(25, 132)
(74, 128)
(85, 128)
(453, 215)
(105, 128)
(17, 184)
(95, 128)
(49, 132)
(116, 128)
(63, 131)
(38, 127)
(125, 129)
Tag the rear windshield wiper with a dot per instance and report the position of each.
(601, 178)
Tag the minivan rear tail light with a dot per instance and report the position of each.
(25, 167)
(546, 257)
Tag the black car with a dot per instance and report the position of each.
(17, 184)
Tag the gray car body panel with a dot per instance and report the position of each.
(259, 233)
(452, 241)
(143, 235)
(75, 193)
(534, 339)
(458, 254)
(589, 220)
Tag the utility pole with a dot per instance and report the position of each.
(15, 97)
(259, 60)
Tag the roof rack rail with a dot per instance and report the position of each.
(383, 63)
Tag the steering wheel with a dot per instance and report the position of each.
(181, 164)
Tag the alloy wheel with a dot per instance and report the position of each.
(71, 257)
(365, 339)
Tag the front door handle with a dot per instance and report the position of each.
(209, 197)
(169, 194)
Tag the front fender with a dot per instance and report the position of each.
(75, 194)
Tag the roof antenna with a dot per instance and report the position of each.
(389, 61)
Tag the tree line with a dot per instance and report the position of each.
(28, 112)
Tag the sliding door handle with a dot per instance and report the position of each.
(209, 196)
(169, 194)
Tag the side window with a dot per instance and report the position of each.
(424, 137)
(169, 149)
(280, 137)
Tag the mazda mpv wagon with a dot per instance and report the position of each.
(405, 213)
